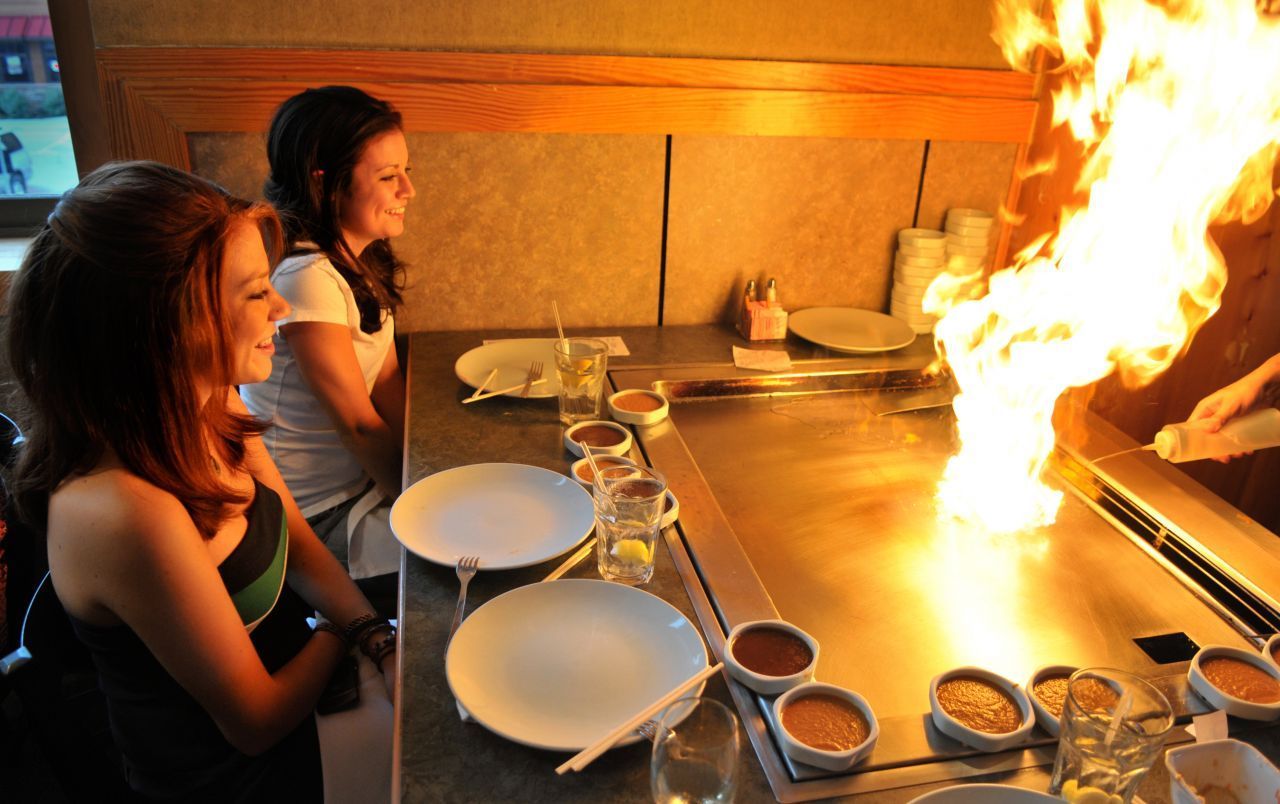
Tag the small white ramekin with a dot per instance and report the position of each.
(768, 685)
(1228, 703)
(818, 757)
(981, 740)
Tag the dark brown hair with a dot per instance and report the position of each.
(115, 319)
(316, 139)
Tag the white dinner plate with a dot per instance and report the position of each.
(511, 358)
(846, 329)
(508, 514)
(559, 665)
(983, 794)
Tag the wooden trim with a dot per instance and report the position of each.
(313, 66)
(155, 97)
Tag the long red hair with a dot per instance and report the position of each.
(115, 322)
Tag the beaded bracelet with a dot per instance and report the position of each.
(379, 649)
(330, 628)
(362, 626)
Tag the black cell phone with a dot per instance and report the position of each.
(343, 691)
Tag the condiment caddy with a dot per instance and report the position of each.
(762, 319)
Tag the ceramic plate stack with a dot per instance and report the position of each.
(969, 236)
(922, 255)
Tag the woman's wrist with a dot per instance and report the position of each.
(323, 626)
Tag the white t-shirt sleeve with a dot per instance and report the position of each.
(315, 291)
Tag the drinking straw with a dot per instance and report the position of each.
(555, 310)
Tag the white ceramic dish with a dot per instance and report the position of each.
(557, 665)
(670, 515)
(966, 251)
(582, 465)
(972, 242)
(920, 282)
(1047, 720)
(983, 794)
(906, 294)
(818, 757)
(966, 230)
(921, 329)
(508, 514)
(908, 261)
(903, 310)
(919, 274)
(1224, 764)
(644, 417)
(981, 740)
(916, 250)
(845, 329)
(923, 238)
(960, 264)
(511, 358)
(621, 448)
(1269, 650)
(1224, 701)
(768, 685)
(971, 217)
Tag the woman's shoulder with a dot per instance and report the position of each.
(114, 505)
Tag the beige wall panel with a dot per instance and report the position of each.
(504, 223)
(236, 161)
(973, 175)
(951, 33)
(818, 214)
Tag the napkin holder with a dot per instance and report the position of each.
(762, 321)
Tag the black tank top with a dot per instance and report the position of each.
(171, 747)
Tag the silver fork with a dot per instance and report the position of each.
(535, 374)
(648, 730)
(467, 566)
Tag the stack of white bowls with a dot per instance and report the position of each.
(968, 239)
(922, 255)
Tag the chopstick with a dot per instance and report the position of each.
(516, 387)
(587, 755)
(572, 561)
(492, 373)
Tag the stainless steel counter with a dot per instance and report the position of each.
(797, 498)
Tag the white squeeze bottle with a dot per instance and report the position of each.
(1189, 441)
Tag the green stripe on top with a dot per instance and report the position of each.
(256, 600)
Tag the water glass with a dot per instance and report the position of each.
(580, 365)
(1113, 727)
(695, 753)
(629, 502)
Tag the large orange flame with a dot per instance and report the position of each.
(1177, 109)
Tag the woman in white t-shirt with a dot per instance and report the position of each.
(340, 182)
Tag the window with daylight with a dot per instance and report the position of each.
(37, 163)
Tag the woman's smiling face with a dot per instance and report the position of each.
(373, 206)
(250, 304)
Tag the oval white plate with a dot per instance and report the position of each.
(558, 665)
(846, 329)
(511, 358)
(983, 794)
(508, 514)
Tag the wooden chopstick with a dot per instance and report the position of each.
(587, 755)
(517, 387)
(572, 561)
(492, 373)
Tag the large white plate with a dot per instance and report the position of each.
(508, 514)
(983, 794)
(511, 358)
(846, 329)
(558, 665)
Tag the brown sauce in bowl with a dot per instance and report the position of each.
(826, 722)
(979, 704)
(1091, 694)
(1241, 679)
(637, 403)
(597, 435)
(771, 651)
(584, 471)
